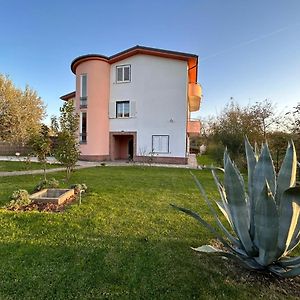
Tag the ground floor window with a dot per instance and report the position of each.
(83, 127)
(160, 143)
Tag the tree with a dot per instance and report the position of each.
(41, 146)
(21, 112)
(233, 123)
(265, 113)
(66, 149)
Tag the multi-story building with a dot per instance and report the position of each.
(136, 104)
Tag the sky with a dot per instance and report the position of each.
(248, 50)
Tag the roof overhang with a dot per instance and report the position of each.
(68, 96)
(191, 59)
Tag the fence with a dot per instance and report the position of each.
(8, 149)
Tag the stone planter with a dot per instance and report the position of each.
(56, 196)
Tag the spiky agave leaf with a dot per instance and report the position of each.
(248, 263)
(290, 262)
(205, 224)
(264, 170)
(289, 214)
(223, 206)
(287, 174)
(231, 238)
(266, 226)
(251, 163)
(238, 207)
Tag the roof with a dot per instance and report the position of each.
(68, 96)
(192, 59)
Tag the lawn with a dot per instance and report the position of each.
(206, 160)
(123, 242)
(9, 166)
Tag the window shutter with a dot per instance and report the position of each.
(112, 109)
(132, 109)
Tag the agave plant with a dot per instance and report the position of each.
(266, 220)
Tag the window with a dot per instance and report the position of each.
(83, 127)
(83, 90)
(123, 73)
(160, 143)
(122, 109)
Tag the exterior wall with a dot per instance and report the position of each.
(98, 75)
(159, 88)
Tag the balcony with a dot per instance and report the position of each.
(83, 102)
(194, 96)
(193, 127)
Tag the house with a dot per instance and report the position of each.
(136, 104)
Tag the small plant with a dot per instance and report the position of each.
(79, 187)
(19, 198)
(266, 221)
(51, 184)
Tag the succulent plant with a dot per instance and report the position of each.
(265, 220)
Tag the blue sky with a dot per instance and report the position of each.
(248, 50)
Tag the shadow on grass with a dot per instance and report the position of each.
(109, 268)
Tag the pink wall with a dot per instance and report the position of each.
(98, 76)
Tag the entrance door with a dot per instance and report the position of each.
(130, 148)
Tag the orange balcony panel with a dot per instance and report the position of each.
(193, 127)
(194, 96)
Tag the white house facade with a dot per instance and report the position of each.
(136, 104)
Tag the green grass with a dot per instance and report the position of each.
(9, 166)
(206, 160)
(123, 242)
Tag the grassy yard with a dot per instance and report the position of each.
(123, 242)
(9, 166)
(206, 160)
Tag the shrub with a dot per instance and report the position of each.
(51, 184)
(19, 198)
(79, 187)
(266, 221)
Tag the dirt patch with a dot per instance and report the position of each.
(236, 273)
(46, 207)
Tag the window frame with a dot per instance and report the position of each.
(83, 98)
(161, 135)
(123, 114)
(122, 67)
(81, 133)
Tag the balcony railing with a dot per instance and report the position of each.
(194, 96)
(83, 138)
(83, 102)
(193, 127)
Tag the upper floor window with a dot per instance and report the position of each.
(160, 143)
(123, 73)
(83, 90)
(122, 109)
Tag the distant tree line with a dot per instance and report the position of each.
(259, 122)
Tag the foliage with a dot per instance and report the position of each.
(19, 198)
(234, 122)
(79, 187)
(66, 149)
(215, 151)
(52, 183)
(21, 112)
(266, 221)
(41, 146)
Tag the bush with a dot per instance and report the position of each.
(216, 151)
(79, 187)
(19, 198)
(51, 184)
